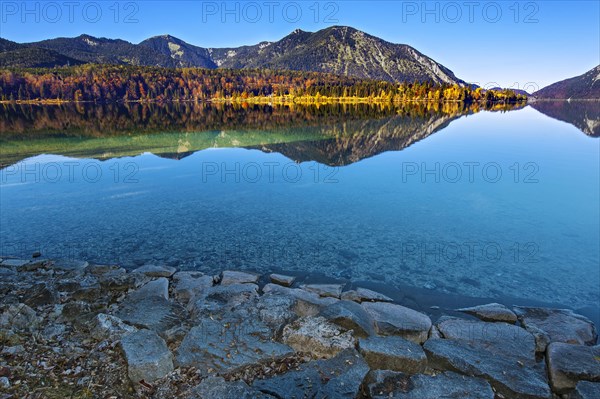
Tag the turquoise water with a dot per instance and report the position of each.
(511, 210)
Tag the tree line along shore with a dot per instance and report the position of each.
(108, 83)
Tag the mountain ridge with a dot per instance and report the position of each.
(584, 86)
(339, 50)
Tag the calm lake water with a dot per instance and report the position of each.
(488, 204)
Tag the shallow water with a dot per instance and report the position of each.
(492, 205)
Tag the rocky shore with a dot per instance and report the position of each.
(70, 329)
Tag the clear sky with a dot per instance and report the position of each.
(512, 43)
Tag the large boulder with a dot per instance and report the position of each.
(230, 343)
(339, 377)
(229, 277)
(561, 325)
(364, 295)
(20, 318)
(325, 290)
(392, 319)
(384, 384)
(153, 312)
(317, 336)
(586, 390)
(307, 303)
(224, 297)
(156, 270)
(513, 376)
(393, 353)
(109, 327)
(190, 285)
(147, 356)
(351, 316)
(568, 364)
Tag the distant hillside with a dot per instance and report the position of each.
(339, 50)
(586, 86)
(90, 49)
(186, 55)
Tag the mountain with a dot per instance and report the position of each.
(35, 57)
(186, 55)
(338, 50)
(584, 115)
(586, 86)
(91, 49)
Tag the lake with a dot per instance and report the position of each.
(451, 201)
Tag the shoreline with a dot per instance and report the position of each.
(71, 328)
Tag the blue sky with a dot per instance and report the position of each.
(512, 43)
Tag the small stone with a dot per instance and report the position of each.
(568, 364)
(315, 335)
(325, 290)
(4, 382)
(229, 277)
(392, 319)
(561, 325)
(365, 295)
(36, 254)
(13, 350)
(393, 353)
(155, 271)
(492, 312)
(281, 279)
(147, 356)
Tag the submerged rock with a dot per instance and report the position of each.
(156, 271)
(392, 319)
(229, 277)
(384, 384)
(339, 377)
(491, 312)
(393, 353)
(317, 336)
(147, 356)
(568, 364)
(561, 325)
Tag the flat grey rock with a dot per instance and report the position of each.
(70, 265)
(502, 338)
(365, 295)
(20, 318)
(190, 285)
(325, 290)
(308, 303)
(152, 312)
(147, 356)
(276, 309)
(512, 376)
(229, 277)
(392, 319)
(351, 316)
(218, 388)
(109, 327)
(225, 297)
(586, 390)
(393, 353)
(384, 384)
(155, 270)
(491, 312)
(15, 262)
(282, 279)
(158, 287)
(339, 377)
(561, 325)
(317, 337)
(225, 345)
(568, 364)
